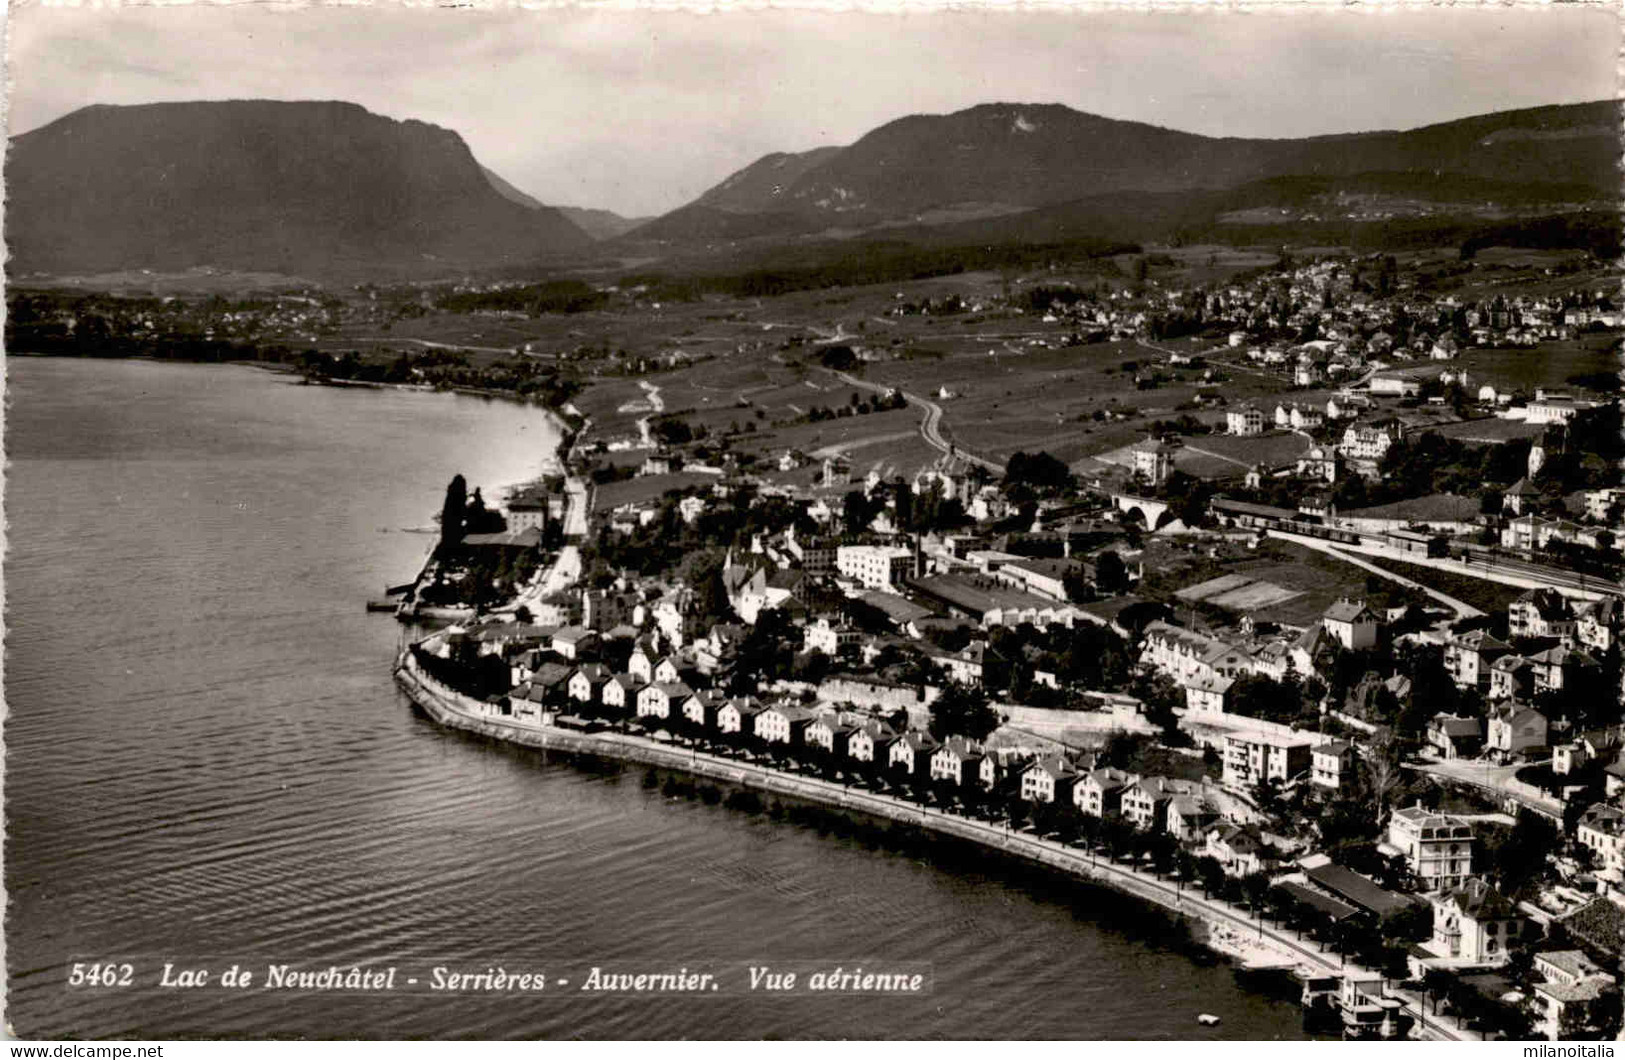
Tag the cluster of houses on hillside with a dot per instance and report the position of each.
(1206, 665)
(560, 680)
(1346, 311)
(646, 655)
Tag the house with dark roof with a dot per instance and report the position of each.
(1146, 801)
(1574, 753)
(701, 708)
(1311, 647)
(621, 693)
(1468, 657)
(522, 665)
(673, 669)
(911, 752)
(784, 724)
(1437, 848)
(1567, 999)
(572, 641)
(1049, 779)
(1189, 816)
(1100, 791)
(1240, 849)
(1515, 729)
(830, 733)
(1601, 829)
(957, 760)
(1540, 613)
(554, 679)
(1473, 924)
(643, 661)
(1332, 764)
(738, 717)
(871, 742)
(530, 703)
(586, 684)
(1519, 496)
(1598, 626)
(1557, 667)
(1511, 677)
(1352, 624)
(1000, 762)
(1207, 693)
(976, 664)
(1452, 736)
(663, 699)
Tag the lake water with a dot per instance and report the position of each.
(209, 763)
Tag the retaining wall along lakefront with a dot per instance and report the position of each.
(1230, 932)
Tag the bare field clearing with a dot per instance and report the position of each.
(1279, 582)
(646, 488)
(1547, 365)
(1271, 449)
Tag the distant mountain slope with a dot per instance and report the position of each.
(511, 193)
(315, 188)
(697, 222)
(600, 224)
(1030, 156)
(763, 185)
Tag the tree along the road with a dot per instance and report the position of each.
(1111, 576)
(478, 519)
(962, 711)
(1039, 470)
(451, 513)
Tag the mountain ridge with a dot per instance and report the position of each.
(328, 188)
(310, 187)
(1039, 156)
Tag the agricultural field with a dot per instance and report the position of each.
(1435, 507)
(1489, 597)
(646, 488)
(1202, 263)
(1238, 592)
(1277, 582)
(1521, 270)
(1547, 365)
(1038, 398)
(1271, 449)
(1007, 394)
(1492, 431)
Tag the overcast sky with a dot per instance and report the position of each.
(640, 112)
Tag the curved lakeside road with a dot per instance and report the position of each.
(453, 710)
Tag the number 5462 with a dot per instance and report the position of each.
(101, 974)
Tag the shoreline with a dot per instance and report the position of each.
(1229, 933)
(553, 463)
(555, 415)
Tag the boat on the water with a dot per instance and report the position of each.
(1207, 1019)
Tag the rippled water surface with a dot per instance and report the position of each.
(208, 762)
